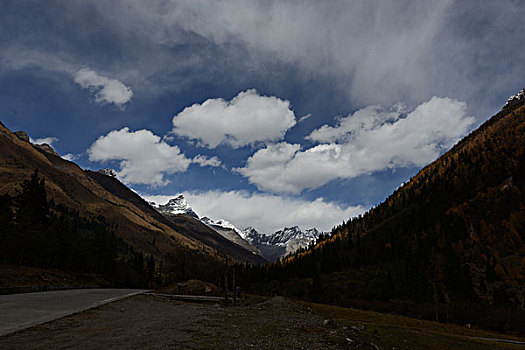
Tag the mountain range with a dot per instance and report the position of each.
(282, 243)
(271, 247)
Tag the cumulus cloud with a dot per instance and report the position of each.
(369, 140)
(246, 119)
(207, 161)
(49, 140)
(266, 213)
(144, 157)
(106, 90)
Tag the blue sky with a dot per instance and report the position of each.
(263, 113)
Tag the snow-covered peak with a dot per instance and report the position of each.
(177, 205)
(249, 232)
(281, 243)
(515, 99)
(222, 224)
(284, 237)
(108, 172)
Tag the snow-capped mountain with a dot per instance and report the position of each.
(229, 231)
(178, 205)
(516, 99)
(271, 247)
(223, 224)
(282, 242)
(250, 234)
(175, 206)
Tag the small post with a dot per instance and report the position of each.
(226, 289)
(234, 289)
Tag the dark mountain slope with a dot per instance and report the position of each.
(92, 198)
(68, 185)
(203, 233)
(183, 224)
(448, 244)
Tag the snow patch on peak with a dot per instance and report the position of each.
(229, 231)
(177, 205)
(294, 234)
(108, 172)
(283, 242)
(516, 99)
(222, 224)
(249, 232)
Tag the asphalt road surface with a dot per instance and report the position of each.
(20, 311)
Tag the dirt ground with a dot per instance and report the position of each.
(153, 322)
(16, 275)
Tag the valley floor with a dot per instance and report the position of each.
(145, 321)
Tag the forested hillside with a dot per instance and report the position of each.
(37, 232)
(449, 244)
(54, 215)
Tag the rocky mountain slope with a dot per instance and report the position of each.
(282, 242)
(229, 231)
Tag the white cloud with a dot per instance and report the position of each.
(49, 140)
(371, 139)
(203, 160)
(246, 119)
(106, 90)
(70, 156)
(379, 52)
(266, 213)
(365, 119)
(304, 117)
(144, 158)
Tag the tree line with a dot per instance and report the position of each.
(37, 232)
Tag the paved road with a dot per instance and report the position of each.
(20, 311)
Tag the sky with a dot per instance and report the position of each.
(263, 113)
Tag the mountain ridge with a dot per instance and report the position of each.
(178, 206)
(100, 194)
(282, 242)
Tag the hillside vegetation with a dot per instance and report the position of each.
(448, 245)
(37, 232)
(55, 215)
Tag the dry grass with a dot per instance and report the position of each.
(145, 322)
(16, 275)
(393, 331)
